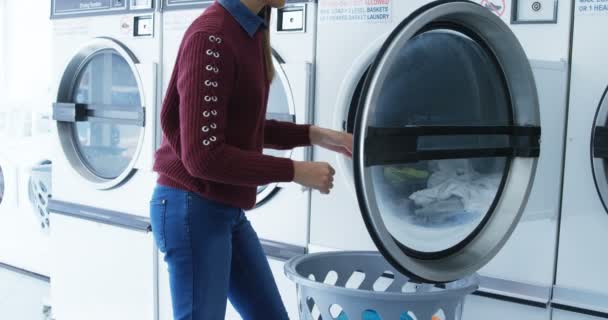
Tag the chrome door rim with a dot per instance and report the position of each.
(598, 165)
(65, 92)
(271, 189)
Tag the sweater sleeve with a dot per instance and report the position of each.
(285, 135)
(205, 84)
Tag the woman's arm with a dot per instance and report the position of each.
(337, 141)
(205, 82)
(285, 135)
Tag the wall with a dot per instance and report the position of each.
(2, 62)
(25, 64)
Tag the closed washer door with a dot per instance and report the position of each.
(100, 113)
(599, 150)
(280, 107)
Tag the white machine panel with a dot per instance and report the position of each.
(568, 315)
(100, 272)
(529, 255)
(581, 279)
(24, 226)
(481, 308)
(554, 45)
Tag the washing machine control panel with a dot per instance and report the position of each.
(292, 19)
(185, 4)
(534, 11)
(144, 26)
(76, 8)
(141, 4)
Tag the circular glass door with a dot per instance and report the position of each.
(446, 140)
(599, 150)
(280, 107)
(100, 114)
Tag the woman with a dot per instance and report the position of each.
(211, 162)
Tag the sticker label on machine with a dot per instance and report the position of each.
(370, 11)
(182, 3)
(591, 7)
(83, 6)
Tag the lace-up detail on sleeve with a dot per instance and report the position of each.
(207, 65)
(212, 82)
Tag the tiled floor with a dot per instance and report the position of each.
(22, 297)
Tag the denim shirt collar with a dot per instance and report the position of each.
(249, 21)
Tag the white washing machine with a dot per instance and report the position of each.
(521, 276)
(15, 125)
(26, 170)
(281, 216)
(432, 189)
(581, 281)
(106, 57)
(25, 218)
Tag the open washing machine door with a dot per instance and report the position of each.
(447, 136)
(101, 113)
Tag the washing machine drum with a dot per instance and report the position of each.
(446, 140)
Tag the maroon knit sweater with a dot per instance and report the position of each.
(213, 116)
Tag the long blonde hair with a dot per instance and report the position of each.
(266, 13)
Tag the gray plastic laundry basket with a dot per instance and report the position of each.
(363, 286)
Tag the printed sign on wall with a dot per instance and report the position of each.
(591, 7)
(369, 11)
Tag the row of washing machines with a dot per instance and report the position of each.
(345, 65)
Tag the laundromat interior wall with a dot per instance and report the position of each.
(25, 60)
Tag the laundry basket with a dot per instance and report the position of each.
(363, 286)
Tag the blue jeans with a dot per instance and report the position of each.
(212, 254)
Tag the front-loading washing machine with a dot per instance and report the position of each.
(439, 83)
(106, 56)
(8, 171)
(281, 215)
(25, 160)
(24, 231)
(581, 290)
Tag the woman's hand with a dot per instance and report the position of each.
(316, 175)
(337, 141)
